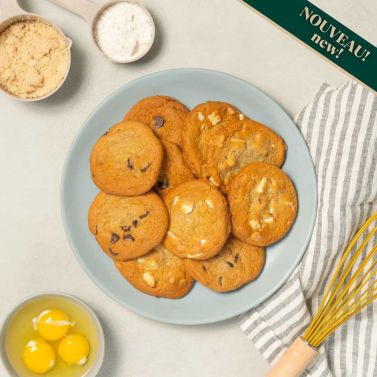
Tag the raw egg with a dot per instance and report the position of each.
(74, 349)
(52, 324)
(39, 356)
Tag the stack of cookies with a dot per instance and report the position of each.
(176, 183)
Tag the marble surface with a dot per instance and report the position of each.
(35, 255)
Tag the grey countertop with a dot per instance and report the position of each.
(35, 256)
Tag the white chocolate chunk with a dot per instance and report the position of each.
(201, 117)
(254, 224)
(175, 200)
(171, 234)
(214, 118)
(213, 181)
(193, 256)
(148, 278)
(153, 265)
(261, 185)
(203, 242)
(209, 203)
(230, 111)
(271, 210)
(242, 117)
(268, 219)
(187, 208)
(289, 204)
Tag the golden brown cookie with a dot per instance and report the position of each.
(127, 159)
(236, 144)
(128, 226)
(263, 204)
(199, 220)
(237, 264)
(173, 171)
(199, 125)
(164, 115)
(159, 273)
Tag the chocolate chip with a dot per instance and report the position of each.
(158, 121)
(134, 223)
(129, 237)
(162, 184)
(105, 134)
(113, 253)
(146, 167)
(230, 264)
(144, 215)
(96, 231)
(126, 228)
(220, 280)
(236, 257)
(130, 164)
(204, 268)
(114, 238)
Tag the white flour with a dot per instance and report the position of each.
(124, 31)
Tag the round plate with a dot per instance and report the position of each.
(201, 305)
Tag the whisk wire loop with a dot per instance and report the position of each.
(353, 287)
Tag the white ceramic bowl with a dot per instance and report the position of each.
(93, 371)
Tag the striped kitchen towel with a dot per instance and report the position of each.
(340, 128)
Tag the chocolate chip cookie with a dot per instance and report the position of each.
(237, 264)
(127, 159)
(263, 204)
(158, 273)
(164, 115)
(199, 220)
(198, 127)
(236, 144)
(127, 227)
(174, 171)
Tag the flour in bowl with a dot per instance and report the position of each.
(124, 31)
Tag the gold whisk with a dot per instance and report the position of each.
(352, 288)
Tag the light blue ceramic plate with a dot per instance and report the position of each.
(191, 86)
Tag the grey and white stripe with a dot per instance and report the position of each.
(340, 127)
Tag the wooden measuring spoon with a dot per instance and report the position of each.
(91, 13)
(11, 12)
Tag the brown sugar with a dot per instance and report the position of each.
(34, 59)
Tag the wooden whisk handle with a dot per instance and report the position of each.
(295, 360)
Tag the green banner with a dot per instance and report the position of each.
(324, 34)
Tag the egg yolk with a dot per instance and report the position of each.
(74, 349)
(52, 324)
(39, 356)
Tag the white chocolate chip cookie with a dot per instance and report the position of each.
(159, 273)
(199, 220)
(263, 204)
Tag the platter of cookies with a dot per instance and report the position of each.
(189, 196)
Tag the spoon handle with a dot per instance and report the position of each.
(83, 8)
(9, 8)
